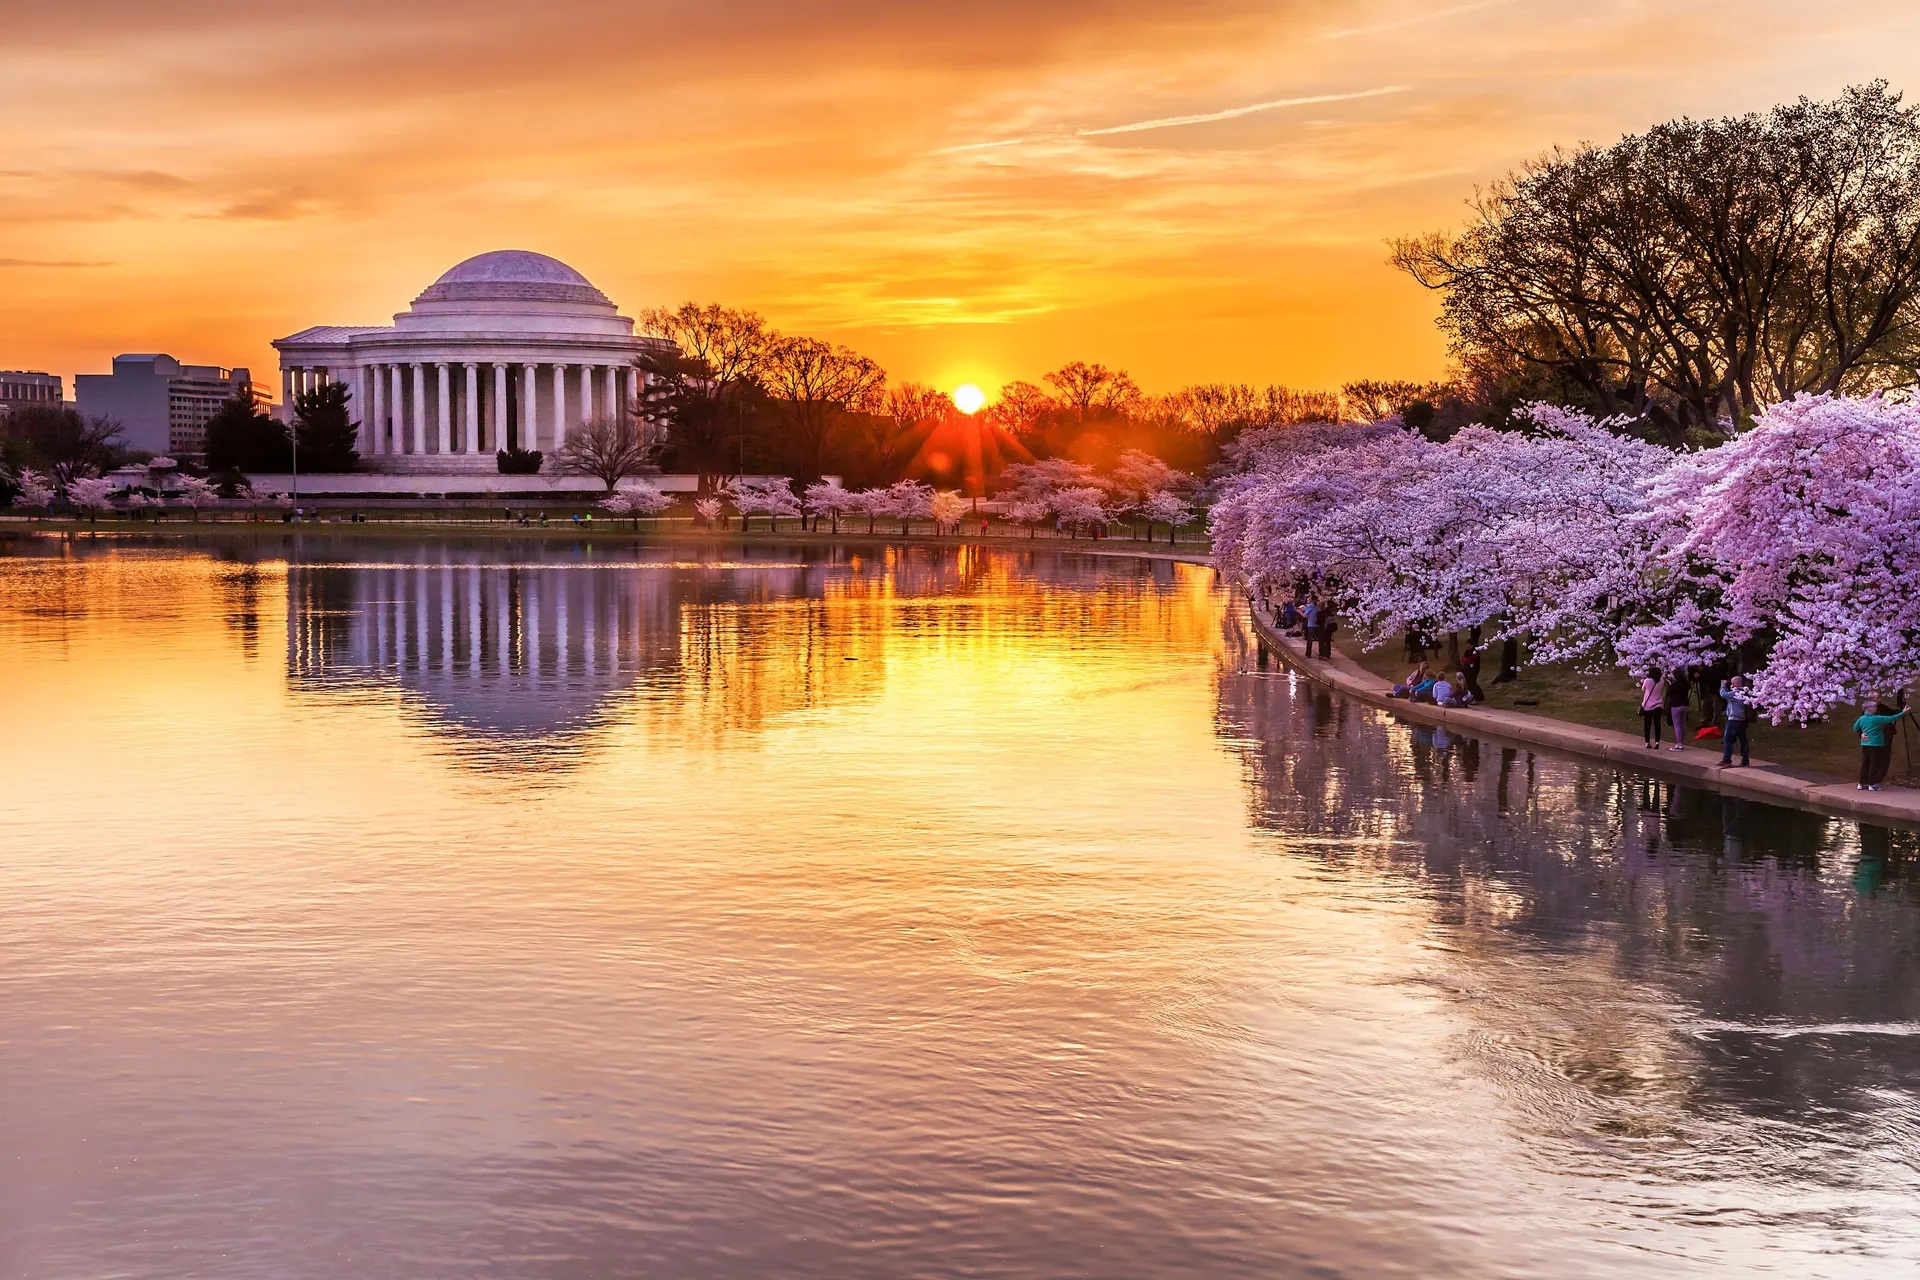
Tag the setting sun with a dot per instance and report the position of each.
(968, 398)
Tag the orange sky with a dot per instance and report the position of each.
(952, 188)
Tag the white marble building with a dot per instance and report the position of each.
(507, 349)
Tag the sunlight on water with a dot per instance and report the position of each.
(431, 910)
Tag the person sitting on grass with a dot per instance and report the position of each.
(1414, 679)
(1457, 692)
(1876, 745)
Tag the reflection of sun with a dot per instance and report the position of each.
(968, 398)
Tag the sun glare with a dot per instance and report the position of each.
(968, 398)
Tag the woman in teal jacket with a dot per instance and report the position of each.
(1876, 745)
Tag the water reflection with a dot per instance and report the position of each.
(531, 652)
(577, 910)
(1692, 986)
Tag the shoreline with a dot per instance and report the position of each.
(1774, 784)
(601, 531)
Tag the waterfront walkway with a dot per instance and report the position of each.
(1776, 784)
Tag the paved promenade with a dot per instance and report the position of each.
(1776, 784)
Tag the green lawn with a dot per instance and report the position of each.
(1611, 700)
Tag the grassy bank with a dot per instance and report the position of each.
(1611, 700)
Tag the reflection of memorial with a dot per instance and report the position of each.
(1550, 886)
(532, 644)
(502, 651)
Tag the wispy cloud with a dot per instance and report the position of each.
(1413, 21)
(1234, 113)
(1175, 122)
(49, 262)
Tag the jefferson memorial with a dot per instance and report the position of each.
(507, 350)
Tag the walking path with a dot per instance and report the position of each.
(1701, 767)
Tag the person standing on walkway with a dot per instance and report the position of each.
(1328, 625)
(1470, 674)
(1679, 692)
(1653, 706)
(1876, 744)
(1733, 695)
(1310, 623)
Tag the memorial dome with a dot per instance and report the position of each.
(513, 275)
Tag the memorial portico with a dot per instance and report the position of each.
(507, 350)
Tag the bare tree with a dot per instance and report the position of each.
(907, 413)
(67, 445)
(612, 448)
(1693, 274)
(707, 392)
(1023, 410)
(1089, 390)
(814, 382)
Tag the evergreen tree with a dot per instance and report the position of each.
(242, 438)
(325, 431)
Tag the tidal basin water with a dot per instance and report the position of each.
(377, 908)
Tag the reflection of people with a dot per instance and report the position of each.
(1733, 693)
(1876, 746)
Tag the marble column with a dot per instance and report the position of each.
(446, 409)
(419, 414)
(473, 407)
(529, 411)
(559, 406)
(379, 436)
(614, 407)
(586, 393)
(358, 410)
(397, 437)
(499, 407)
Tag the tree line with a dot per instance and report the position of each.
(1685, 278)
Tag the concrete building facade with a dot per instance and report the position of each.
(162, 406)
(20, 388)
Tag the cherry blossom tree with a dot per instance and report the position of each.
(196, 493)
(634, 502)
(1141, 481)
(771, 498)
(1030, 514)
(1083, 506)
(1803, 532)
(948, 509)
(872, 503)
(35, 490)
(823, 497)
(708, 510)
(136, 502)
(1165, 508)
(90, 494)
(1795, 545)
(907, 501)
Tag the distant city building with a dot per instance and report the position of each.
(19, 389)
(507, 349)
(162, 406)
